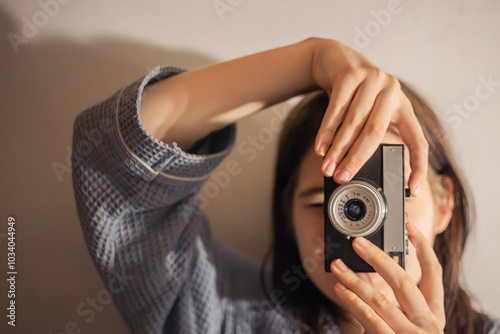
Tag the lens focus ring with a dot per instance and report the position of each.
(357, 208)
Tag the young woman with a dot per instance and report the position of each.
(136, 190)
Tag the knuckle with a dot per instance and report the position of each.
(333, 110)
(353, 281)
(352, 73)
(359, 118)
(437, 304)
(356, 162)
(393, 82)
(349, 70)
(369, 314)
(352, 299)
(422, 144)
(379, 256)
(327, 131)
(418, 319)
(421, 147)
(381, 301)
(335, 152)
(377, 130)
(405, 282)
(427, 321)
(377, 72)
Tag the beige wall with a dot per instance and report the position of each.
(88, 49)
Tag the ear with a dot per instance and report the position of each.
(445, 209)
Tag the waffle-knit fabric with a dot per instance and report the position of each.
(137, 202)
(150, 242)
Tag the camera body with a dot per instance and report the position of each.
(372, 205)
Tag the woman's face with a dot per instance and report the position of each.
(308, 222)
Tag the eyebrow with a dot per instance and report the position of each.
(311, 191)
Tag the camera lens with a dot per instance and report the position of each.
(355, 209)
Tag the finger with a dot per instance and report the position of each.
(405, 289)
(412, 135)
(370, 320)
(387, 310)
(370, 138)
(431, 283)
(355, 118)
(342, 93)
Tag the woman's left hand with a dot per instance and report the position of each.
(422, 309)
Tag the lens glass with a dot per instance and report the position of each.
(355, 209)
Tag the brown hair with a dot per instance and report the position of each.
(303, 300)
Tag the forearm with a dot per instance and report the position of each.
(188, 106)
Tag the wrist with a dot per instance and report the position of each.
(319, 47)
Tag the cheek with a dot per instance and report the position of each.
(309, 234)
(422, 212)
(309, 231)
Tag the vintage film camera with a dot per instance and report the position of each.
(372, 205)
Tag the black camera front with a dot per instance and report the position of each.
(371, 205)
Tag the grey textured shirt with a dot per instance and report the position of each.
(137, 202)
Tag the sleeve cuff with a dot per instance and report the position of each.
(151, 157)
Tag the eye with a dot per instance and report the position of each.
(316, 205)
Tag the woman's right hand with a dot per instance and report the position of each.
(366, 100)
(420, 305)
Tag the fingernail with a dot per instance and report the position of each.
(341, 286)
(362, 242)
(340, 265)
(329, 168)
(411, 226)
(322, 149)
(416, 189)
(342, 176)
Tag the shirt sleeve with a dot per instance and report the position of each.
(137, 202)
(495, 327)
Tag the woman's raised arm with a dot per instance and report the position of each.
(364, 101)
(188, 106)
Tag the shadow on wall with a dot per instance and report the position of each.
(42, 89)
